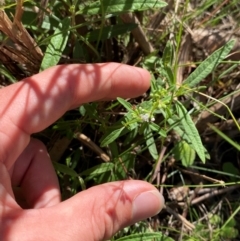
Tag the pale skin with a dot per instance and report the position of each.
(30, 106)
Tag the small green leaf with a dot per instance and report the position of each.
(148, 135)
(98, 169)
(169, 75)
(111, 137)
(168, 54)
(64, 169)
(110, 31)
(208, 65)
(232, 170)
(126, 104)
(158, 236)
(82, 110)
(191, 132)
(120, 6)
(130, 121)
(56, 46)
(157, 129)
(151, 62)
(185, 153)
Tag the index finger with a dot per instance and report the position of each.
(33, 104)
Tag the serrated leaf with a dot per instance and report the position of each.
(157, 236)
(190, 130)
(120, 6)
(148, 135)
(208, 65)
(110, 31)
(111, 137)
(126, 104)
(56, 46)
(185, 153)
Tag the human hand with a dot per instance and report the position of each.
(30, 106)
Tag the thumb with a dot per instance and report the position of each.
(95, 214)
(101, 211)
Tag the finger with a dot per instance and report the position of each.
(36, 102)
(34, 174)
(95, 214)
(7, 200)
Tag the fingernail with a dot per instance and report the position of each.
(146, 205)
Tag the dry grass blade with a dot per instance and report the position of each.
(211, 40)
(159, 17)
(19, 46)
(59, 147)
(138, 33)
(186, 223)
(184, 57)
(213, 193)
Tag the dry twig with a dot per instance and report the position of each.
(88, 142)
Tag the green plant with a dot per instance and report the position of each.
(163, 102)
(203, 232)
